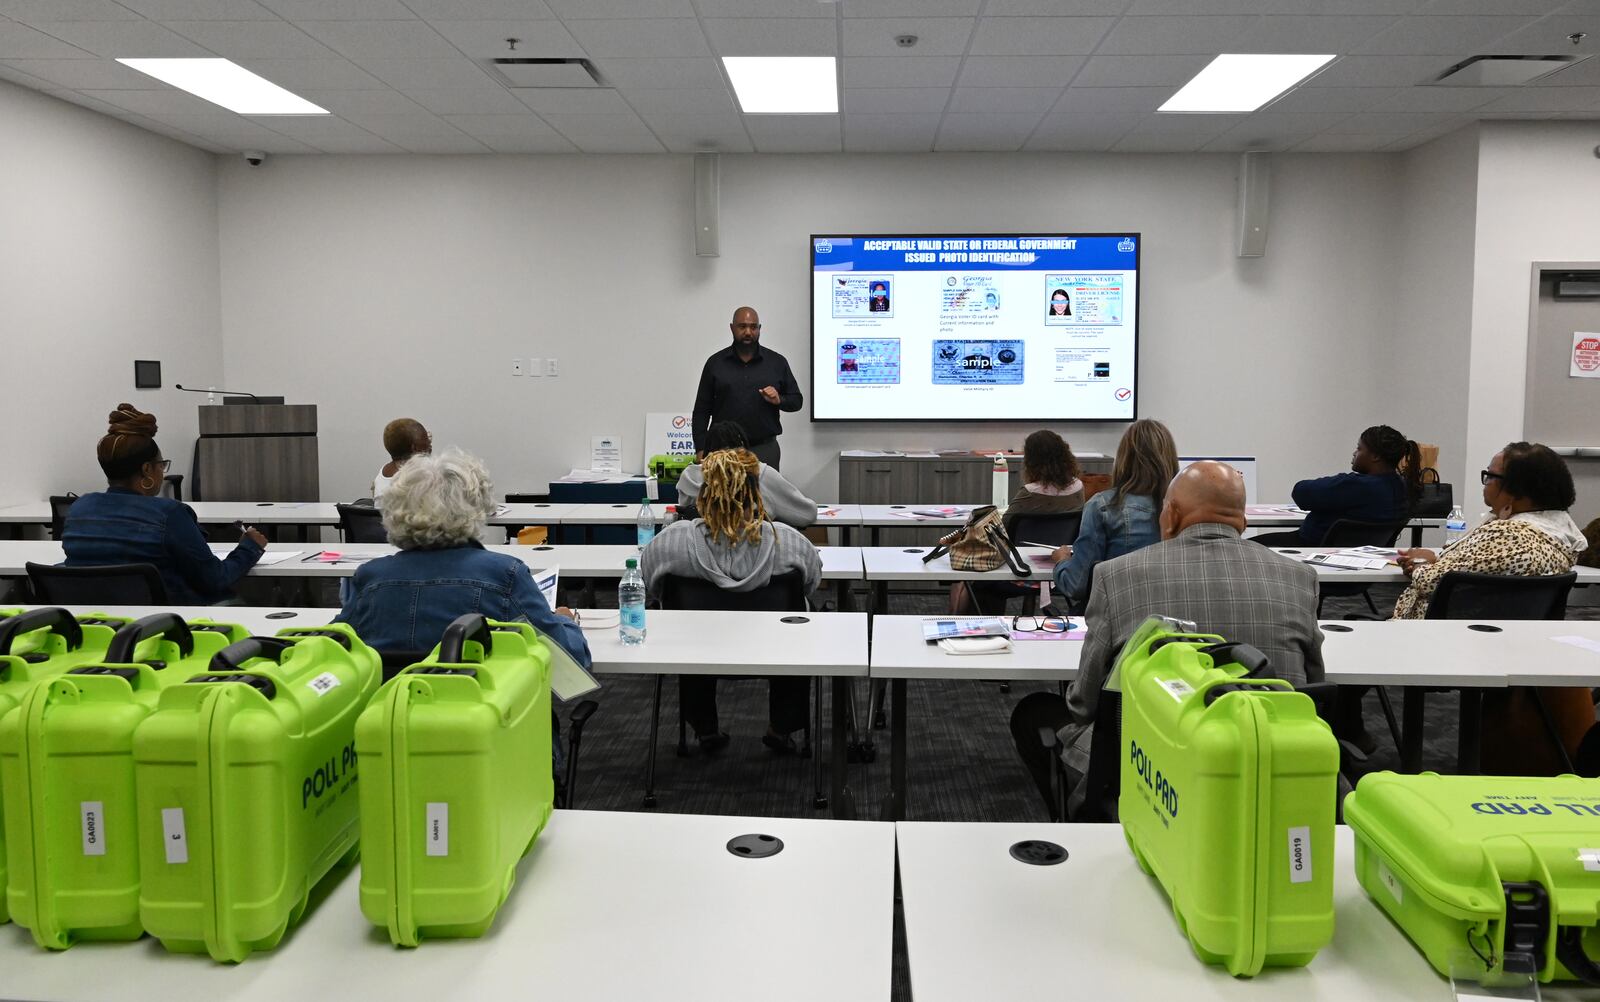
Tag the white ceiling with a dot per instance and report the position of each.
(411, 75)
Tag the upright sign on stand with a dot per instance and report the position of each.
(668, 435)
(1585, 360)
(605, 453)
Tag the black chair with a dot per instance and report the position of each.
(1347, 532)
(361, 524)
(783, 593)
(112, 584)
(59, 503)
(174, 483)
(1472, 595)
(1054, 530)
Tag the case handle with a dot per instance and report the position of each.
(1245, 656)
(168, 625)
(1569, 950)
(236, 654)
(61, 622)
(469, 626)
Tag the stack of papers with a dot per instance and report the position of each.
(1361, 558)
(923, 513)
(974, 626)
(1273, 509)
(267, 559)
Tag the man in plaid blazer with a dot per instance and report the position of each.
(1204, 571)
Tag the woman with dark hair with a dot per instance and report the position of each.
(1060, 304)
(130, 523)
(1384, 481)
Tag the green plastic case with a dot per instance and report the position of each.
(668, 469)
(66, 770)
(35, 646)
(245, 779)
(1228, 796)
(1486, 874)
(456, 781)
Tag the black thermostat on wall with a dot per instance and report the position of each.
(146, 374)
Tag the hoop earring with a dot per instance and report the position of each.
(146, 484)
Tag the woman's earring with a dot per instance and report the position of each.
(146, 484)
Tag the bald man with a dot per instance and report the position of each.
(747, 383)
(1203, 570)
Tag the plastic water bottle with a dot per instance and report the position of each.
(671, 517)
(1002, 481)
(630, 603)
(1455, 526)
(647, 524)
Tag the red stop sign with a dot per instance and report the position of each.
(1586, 354)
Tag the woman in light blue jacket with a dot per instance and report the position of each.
(1124, 517)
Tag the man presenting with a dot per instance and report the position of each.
(1203, 571)
(748, 384)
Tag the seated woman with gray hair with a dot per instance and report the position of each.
(434, 510)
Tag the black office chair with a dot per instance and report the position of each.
(1052, 530)
(112, 584)
(783, 593)
(361, 524)
(1348, 532)
(59, 503)
(1472, 595)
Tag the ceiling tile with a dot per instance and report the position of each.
(917, 71)
(583, 128)
(1321, 99)
(1081, 132)
(459, 73)
(486, 10)
(1457, 35)
(936, 36)
(689, 133)
(1145, 143)
(330, 73)
(1380, 71)
(1325, 7)
(573, 100)
(124, 39)
(1494, 6)
(370, 102)
(199, 10)
(442, 144)
(487, 39)
(1173, 35)
(1014, 8)
(1210, 126)
(910, 8)
(767, 8)
(896, 100)
(620, 9)
(273, 143)
(707, 122)
(1397, 122)
(1440, 98)
(694, 142)
(1007, 100)
(1548, 36)
(314, 130)
(795, 133)
(1580, 74)
(700, 101)
(1040, 36)
(246, 39)
(18, 41)
(960, 132)
(667, 74)
(381, 39)
(1139, 71)
(1245, 141)
(340, 10)
(1308, 33)
(1334, 142)
(1111, 100)
(16, 76)
(523, 126)
(392, 127)
(65, 10)
(1019, 71)
(538, 146)
(890, 133)
(165, 101)
(83, 74)
(484, 101)
(771, 36)
(1575, 99)
(357, 142)
(640, 37)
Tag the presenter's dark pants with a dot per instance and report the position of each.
(1290, 537)
(788, 703)
(768, 452)
(1033, 712)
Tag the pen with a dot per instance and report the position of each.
(314, 556)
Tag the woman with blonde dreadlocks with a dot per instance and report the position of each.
(733, 545)
(130, 523)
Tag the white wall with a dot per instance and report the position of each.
(108, 253)
(1538, 200)
(378, 286)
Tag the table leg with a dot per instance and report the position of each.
(844, 805)
(819, 800)
(894, 807)
(1469, 749)
(876, 534)
(1411, 728)
(655, 730)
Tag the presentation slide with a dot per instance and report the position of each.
(1037, 327)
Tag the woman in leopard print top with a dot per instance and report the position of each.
(1528, 489)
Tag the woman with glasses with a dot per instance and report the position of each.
(130, 523)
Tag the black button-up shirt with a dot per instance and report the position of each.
(730, 390)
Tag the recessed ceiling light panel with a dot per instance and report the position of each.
(784, 85)
(225, 82)
(1239, 83)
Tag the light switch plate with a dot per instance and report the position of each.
(536, 367)
(516, 366)
(552, 367)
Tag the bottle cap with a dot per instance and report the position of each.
(672, 508)
(632, 563)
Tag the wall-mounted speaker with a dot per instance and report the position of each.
(1254, 187)
(707, 169)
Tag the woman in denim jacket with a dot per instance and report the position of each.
(1124, 517)
(434, 510)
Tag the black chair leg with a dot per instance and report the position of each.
(580, 716)
(1550, 729)
(819, 799)
(1366, 593)
(655, 733)
(1388, 714)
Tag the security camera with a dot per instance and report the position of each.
(254, 158)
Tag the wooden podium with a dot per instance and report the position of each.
(257, 452)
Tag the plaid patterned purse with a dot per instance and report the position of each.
(980, 545)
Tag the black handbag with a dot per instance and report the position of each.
(1434, 499)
